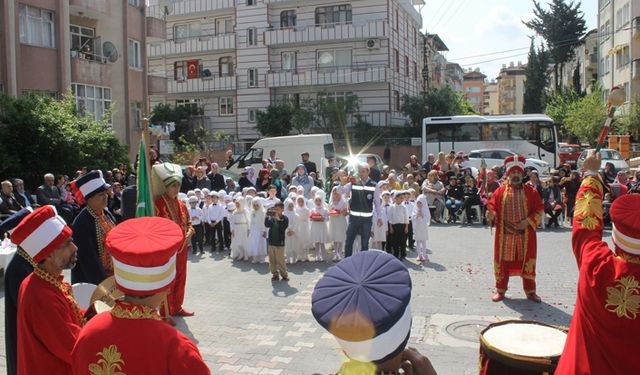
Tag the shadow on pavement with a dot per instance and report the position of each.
(302, 267)
(246, 266)
(282, 289)
(182, 326)
(541, 312)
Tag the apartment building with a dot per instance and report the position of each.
(584, 62)
(455, 77)
(511, 88)
(435, 64)
(619, 46)
(93, 48)
(491, 99)
(473, 83)
(234, 58)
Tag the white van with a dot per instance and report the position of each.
(288, 149)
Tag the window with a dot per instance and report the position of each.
(415, 71)
(415, 36)
(82, 39)
(224, 26)
(474, 100)
(334, 96)
(287, 18)
(333, 14)
(473, 89)
(92, 100)
(225, 66)
(252, 77)
(607, 64)
(251, 2)
(497, 132)
(622, 57)
(396, 59)
(252, 36)
(135, 114)
(396, 101)
(397, 24)
(179, 71)
(135, 60)
(522, 131)
(627, 92)
(37, 26)
(406, 66)
(189, 30)
(226, 106)
(292, 99)
(193, 105)
(334, 58)
(135, 3)
(467, 133)
(252, 115)
(289, 61)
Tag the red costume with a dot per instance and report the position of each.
(176, 211)
(604, 331)
(515, 251)
(48, 325)
(134, 340)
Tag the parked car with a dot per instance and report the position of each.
(496, 156)
(350, 162)
(607, 155)
(569, 153)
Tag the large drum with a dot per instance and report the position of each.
(520, 347)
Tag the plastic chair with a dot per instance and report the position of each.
(83, 292)
(478, 211)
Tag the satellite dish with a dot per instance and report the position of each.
(109, 51)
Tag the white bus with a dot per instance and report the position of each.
(533, 136)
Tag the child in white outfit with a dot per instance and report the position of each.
(319, 232)
(421, 219)
(338, 211)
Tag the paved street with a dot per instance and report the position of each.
(245, 324)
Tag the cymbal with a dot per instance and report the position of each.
(101, 307)
(107, 292)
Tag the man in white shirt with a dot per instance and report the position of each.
(197, 222)
(215, 215)
(398, 224)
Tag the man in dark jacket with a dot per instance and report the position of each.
(23, 197)
(48, 193)
(8, 203)
(277, 224)
(309, 165)
(217, 180)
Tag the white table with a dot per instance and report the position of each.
(6, 254)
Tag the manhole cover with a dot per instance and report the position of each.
(467, 330)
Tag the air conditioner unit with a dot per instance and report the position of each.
(372, 44)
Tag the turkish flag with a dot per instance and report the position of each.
(192, 69)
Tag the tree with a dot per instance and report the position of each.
(577, 85)
(335, 113)
(631, 122)
(302, 115)
(275, 121)
(586, 116)
(191, 134)
(435, 102)
(561, 27)
(39, 134)
(535, 80)
(557, 107)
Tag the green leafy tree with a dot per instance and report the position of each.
(577, 85)
(631, 123)
(335, 113)
(585, 117)
(39, 134)
(535, 80)
(191, 133)
(435, 102)
(561, 26)
(557, 107)
(275, 121)
(302, 114)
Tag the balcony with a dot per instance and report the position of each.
(189, 8)
(156, 29)
(328, 76)
(207, 43)
(201, 85)
(157, 85)
(329, 32)
(94, 9)
(635, 27)
(636, 69)
(91, 70)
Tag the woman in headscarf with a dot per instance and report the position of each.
(421, 218)
(263, 180)
(609, 173)
(256, 249)
(291, 244)
(245, 181)
(239, 223)
(338, 211)
(304, 243)
(301, 178)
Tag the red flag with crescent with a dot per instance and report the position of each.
(192, 69)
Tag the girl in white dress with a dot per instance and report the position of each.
(379, 237)
(421, 219)
(239, 223)
(338, 211)
(257, 243)
(319, 232)
(291, 245)
(303, 228)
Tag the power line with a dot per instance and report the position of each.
(453, 13)
(435, 14)
(447, 8)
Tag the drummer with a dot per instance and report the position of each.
(49, 318)
(604, 331)
(346, 302)
(132, 337)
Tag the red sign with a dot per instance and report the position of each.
(192, 69)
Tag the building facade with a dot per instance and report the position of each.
(619, 47)
(455, 77)
(235, 58)
(474, 89)
(435, 64)
(95, 49)
(511, 88)
(491, 99)
(584, 63)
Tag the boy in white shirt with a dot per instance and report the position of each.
(216, 213)
(197, 221)
(398, 224)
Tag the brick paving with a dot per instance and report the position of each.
(245, 324)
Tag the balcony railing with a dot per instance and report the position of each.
(328, 76)
(201, 85)
(91, 70)
(328, 32)
(156, 28)
(188, 7)
(157, 85)
(90, 8)
(635, 27)
(199, 44)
